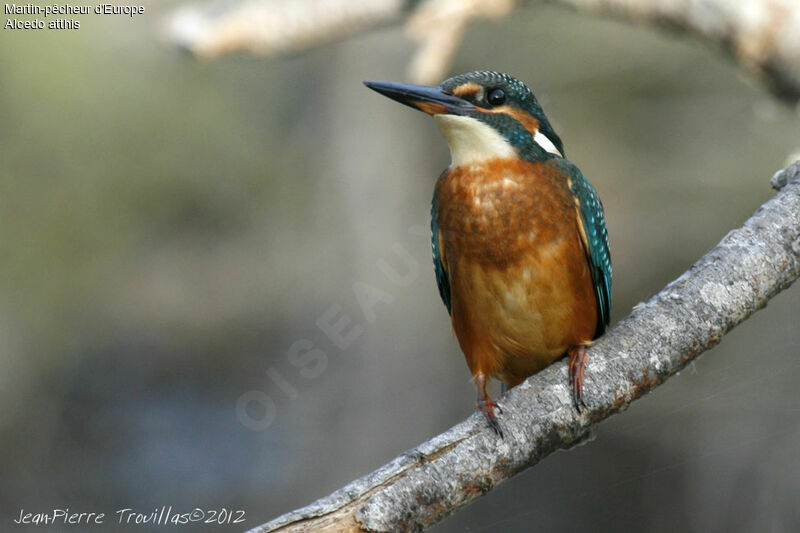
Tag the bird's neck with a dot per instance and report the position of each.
(473, 143)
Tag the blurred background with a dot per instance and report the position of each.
(170, 228)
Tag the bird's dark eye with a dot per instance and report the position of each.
(496, 96)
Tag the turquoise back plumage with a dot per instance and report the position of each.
(598, 254)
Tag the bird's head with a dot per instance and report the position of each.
(483, 115)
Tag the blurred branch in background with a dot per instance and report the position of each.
(272, 27)
(762, 35)
(690, 315)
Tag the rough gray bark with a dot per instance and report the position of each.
(690, 315)
(762, 35)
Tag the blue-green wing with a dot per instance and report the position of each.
(438, 266)
(596, 241)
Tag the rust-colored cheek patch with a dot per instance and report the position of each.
(527, 121)
(467, 88)
(431, 108)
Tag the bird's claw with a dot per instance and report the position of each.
(577, 362)
(577, 400)
(488, 408)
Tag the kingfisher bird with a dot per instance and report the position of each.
(520, 247)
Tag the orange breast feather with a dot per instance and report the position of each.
(520, 283)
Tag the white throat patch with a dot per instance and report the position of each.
(471, 141)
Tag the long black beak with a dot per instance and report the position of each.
(431, 100)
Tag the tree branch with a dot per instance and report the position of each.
(762, 35)
(690, 315)
(273, 27)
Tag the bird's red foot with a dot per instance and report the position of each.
(577, 362)
(486, 405)
(488, 408)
